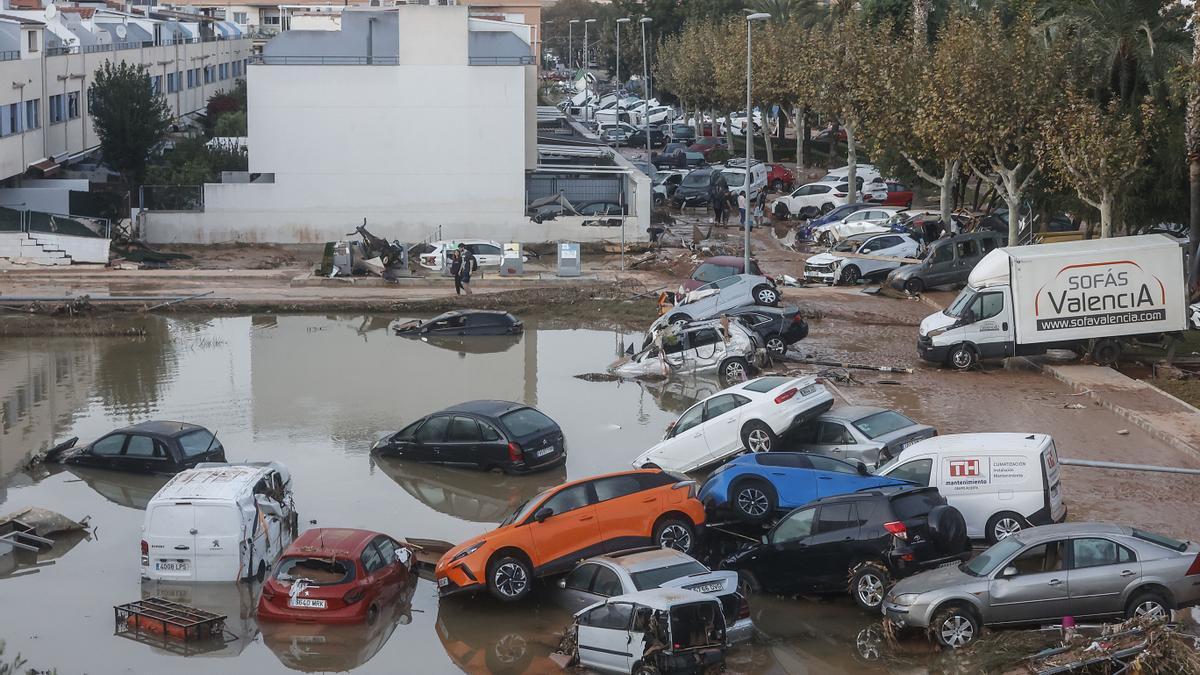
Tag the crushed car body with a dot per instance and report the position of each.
(723, 346)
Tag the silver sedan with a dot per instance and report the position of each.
(1083, 570)
(857, 432)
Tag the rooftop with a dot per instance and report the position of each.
(216, 482)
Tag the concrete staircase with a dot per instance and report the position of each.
(24, 247)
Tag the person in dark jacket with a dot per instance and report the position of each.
(469, 265)
(456, 269)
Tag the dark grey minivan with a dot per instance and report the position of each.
(947, 261)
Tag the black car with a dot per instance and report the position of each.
(486, 435)
(638, 138)
(779, 327)
(859, 543)
(694, 189)
(149, 447)
(463, 322)
(683, 133)
(675, 156)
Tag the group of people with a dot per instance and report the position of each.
(462, 264)
(723, 203)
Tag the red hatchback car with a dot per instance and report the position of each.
(779, 178)
(336, 576)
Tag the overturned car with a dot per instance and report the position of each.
(461, 322)
(727, 347)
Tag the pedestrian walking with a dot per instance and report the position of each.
(456, 269)
(469, 265)
(742, 206)
(760, 205)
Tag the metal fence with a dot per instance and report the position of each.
(10, 55)
(24, 220)
(501, 60)
(325, 60)
(172, 197)
(577, 190)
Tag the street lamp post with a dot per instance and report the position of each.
(587, 61)
(620, 21)
(748, 136)
(645, 90)
(571, 44)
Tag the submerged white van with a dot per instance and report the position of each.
(1001, 482)
(219, 522)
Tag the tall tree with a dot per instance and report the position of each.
(129, 117)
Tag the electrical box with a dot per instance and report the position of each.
(512, 262)
(568, 259)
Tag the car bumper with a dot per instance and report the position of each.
(356, 613)
(906, 616)
(742, 630)
(821, 277)
(793, 418)
(691, 200)
(903, 568)
(929, 352)
(552, 462)
(458, 580)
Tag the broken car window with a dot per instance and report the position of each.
(615, 616)
(317, 571)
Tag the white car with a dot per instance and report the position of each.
(487, 253)
(810, 200)
(874, 219)
(697, 348)
(841, 264)
(867, 172)
(712, 299)
(734, 172)
(752, 416)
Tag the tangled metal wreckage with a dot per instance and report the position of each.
(371, 255)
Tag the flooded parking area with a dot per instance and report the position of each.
(312, 392)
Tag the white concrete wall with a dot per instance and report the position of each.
(432, 35)
(52, 249)
(47, 199)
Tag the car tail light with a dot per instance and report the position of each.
(897, 528)
(268, 591)
(1195, 568)
(839, 194)
(797, 319)
(787, 395)
(743, 608)
(353, 595)
(514, 452)
(145, 548)
(689, 484)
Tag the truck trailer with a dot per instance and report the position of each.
(1090, 296)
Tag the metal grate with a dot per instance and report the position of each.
(171, 625)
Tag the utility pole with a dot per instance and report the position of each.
(748, 135)
(645, 86)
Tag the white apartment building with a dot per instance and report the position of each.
(48, 60)
(415, 118)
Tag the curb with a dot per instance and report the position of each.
(1134, 417)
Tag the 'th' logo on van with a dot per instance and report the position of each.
(963, 468)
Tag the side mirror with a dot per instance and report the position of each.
(862, 468)
(764, 539)
(543, 513)
(1009, 572)
(562, 583)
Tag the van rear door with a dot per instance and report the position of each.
(218, 542)
(171, 538)
(1051, 472)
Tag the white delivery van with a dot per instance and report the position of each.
(735, 176)
(1088, 296)
(218, 522)
(1001, 482)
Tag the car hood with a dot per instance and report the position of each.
(823, 259)
(903, 271)
(936, 321)
(933, 580)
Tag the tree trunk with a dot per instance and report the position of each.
(798, 126)
(949, 174)
(1014, 217)
(1106, 215)
(1192, 137)
(920, 15)
(766, 135)
(729, 131)
(852, 194)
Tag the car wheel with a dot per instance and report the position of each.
(765, 295)
(758, 437)
(734, 370)
(1148, 605)
(826, 208)
(914, 286)
(1002, 525)
(947, 529)
(869, 582)
(675, 533)
(963, 357)
(781, 211)
(850, 275)
(777, 346)
(509, 654)
(777, 185)
(1106, 352)
(659, 199)
(510, 579)
(753, 500)
(640, 668)
(825, 239)
(955, 627)
(748, 584)
(680, 320)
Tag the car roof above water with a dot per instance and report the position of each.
(329, 541)
(494, 408)
(225, 482)
(664, 598)
(162, 428)
(640, 560)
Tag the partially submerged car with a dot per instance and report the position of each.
(727, 348)
(861, 256)
(640, 569)
(503, 435)
(748, 416)
(149, 447)
(712, 299)
(753, 487)
(336, 575)
(462, 322)
(860, 433)
(1084, 570)
(657, 631)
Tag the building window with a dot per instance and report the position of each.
(239, 17)
(33, 41)
(237, 68)
(191, 79)
(73, 105)
(10, 119)
(33, 114)
(90, 100)
(57, 112)
(156, 84)
(208, 78)
(271, 19)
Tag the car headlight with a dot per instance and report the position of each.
(467, 551)
(905, 599)
(935, 332)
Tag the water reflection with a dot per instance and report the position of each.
(132, 372)
(315, 647)
(236, 601)
(481, 344)
(18, 563)
(677, 394)
(480, 635)
(130, 490)
(476, 496)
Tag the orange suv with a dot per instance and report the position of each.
(559, 527)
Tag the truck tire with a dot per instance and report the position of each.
(947, 529)
(1106, 352)
(962, 357)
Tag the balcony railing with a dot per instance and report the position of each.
(10, 55)
(501, 60)
(265, 60)
(114, 46)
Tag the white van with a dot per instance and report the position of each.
(735, 176)
(218, 522)
(1001, 482)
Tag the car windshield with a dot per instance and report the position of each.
(989, 560)
(735, 177)
(848, 245)
(696, 179)
(961, 303)
(523, 510)
(882, 423)
(527, 422)
(660, 576)
(316, 571)
(712, 271)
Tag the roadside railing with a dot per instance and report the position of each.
(10, 55)
(265, 60)
(35, 222)
(501, 60)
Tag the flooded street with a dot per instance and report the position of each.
(314, 392)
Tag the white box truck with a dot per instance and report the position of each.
(1087, 296)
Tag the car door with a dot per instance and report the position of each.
(577, 587)
(781, 562)
(427, 442)
(706, 348)
(967, 254)
(462, 444)
(487, 255)
(831, 546)
(1101, 570)
(1037, 592)
(722, 425)
(605, 641)
(104, 453)
(146, 454)
(570, 533)
(831, 438)
(735, 292)
(915, 470)
(942, 267)
(791, 475)
(621, 508)
(992, 336)
(687, 447)
(834, 477)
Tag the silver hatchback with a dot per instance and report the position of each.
(1082, 570)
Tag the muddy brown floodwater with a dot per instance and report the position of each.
(314, 392)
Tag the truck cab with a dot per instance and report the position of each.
(977, 325)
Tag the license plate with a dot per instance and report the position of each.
(443, 582)
(306, 603)
(906, 444)
(172, 566)
(707, 588)
(808, 390)
(543, 452)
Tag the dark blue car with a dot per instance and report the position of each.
(754, 486)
